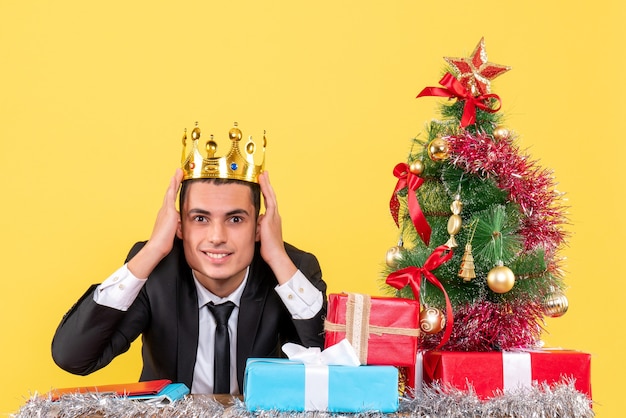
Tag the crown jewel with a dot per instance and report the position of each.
(234, 165)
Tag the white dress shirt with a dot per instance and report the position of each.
(302, 299)
(203, 369)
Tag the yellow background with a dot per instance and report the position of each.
(94, 97)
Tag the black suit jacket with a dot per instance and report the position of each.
(165, 313)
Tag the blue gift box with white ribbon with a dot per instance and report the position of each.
(286, 385)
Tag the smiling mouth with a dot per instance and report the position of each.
(216, 256)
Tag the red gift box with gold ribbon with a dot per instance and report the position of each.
(490, 373)
(382, 330)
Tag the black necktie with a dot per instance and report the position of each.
(221, 361)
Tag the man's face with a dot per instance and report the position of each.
(218, 229)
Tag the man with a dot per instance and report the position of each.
(217, 249)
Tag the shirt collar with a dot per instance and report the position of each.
(205, 296)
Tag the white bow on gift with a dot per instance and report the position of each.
(340, 354)
(316, 364)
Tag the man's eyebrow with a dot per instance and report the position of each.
(198, 211)
(237, 212)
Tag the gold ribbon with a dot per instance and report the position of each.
(357, 327)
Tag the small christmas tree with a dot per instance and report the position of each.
(479, 219)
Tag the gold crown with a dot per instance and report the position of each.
(234, 165)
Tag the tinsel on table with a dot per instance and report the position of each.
(433, 401)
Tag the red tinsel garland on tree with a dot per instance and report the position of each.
(528, 185)
(477, 332)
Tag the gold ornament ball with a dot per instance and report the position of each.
(432, 320)
(438, 149)
(555, 304)
(500, 279)
(393, 257)
(501, 133)
(416, 167)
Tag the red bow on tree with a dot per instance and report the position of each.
(412, 276)
(412, 182)
(454, 88)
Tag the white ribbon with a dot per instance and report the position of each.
(516, 370)
(316, 364)
(419, 371)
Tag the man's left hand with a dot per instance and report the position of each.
(270, 233)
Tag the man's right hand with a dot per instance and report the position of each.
(163, 233)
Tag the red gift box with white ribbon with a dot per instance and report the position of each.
(382, 330)
(490, 373)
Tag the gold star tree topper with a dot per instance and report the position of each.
(476, 72)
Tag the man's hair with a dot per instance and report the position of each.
(255, 190)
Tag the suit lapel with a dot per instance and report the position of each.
(188, 323)
(250, 313)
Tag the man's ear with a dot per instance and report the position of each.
(179, 229)
(258, 227)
